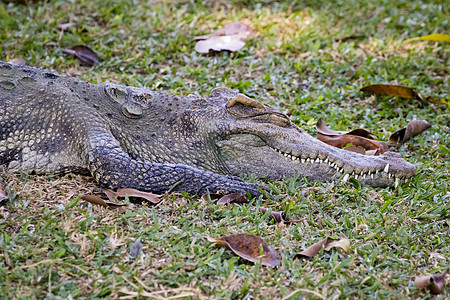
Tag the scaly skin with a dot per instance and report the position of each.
(137, 138)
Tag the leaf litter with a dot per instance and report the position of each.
(249, 247)
(231, 37)
(84, 54)
(327, 244)
(434, 283)
(113, 197)
(400, 91)
(361, 141)
(279, 216)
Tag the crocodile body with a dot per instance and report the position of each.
(138, 138)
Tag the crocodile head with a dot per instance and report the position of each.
(255, 139)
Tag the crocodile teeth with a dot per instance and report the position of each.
(371, 175)
(326, 160)
(345, 178)
(356, 176)
(396, 182)
(386, 169)
(317, 159)
(303, 160)
(293, 157)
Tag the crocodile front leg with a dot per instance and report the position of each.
(114, 168)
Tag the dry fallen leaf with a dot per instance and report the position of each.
(229, 29)
(325, 130)
(84, 54)
(231, 38)
(153, 198)
(413, 128)
(435, 283)
(437, 37)
(18, 62)
(210, 196)
(392, 90)
(341, 141)
(357, 140)
(249, 247)
(279, 216)
(327, 244)
(67, 26)
(233, 198)
(94, 199)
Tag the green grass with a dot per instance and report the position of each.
(309, 58)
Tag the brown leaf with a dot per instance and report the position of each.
(392, 90)
(231, 43)
(231, 38)
(435, 283)
(153, 198)
(67, 26)
(212, 196)
(413, 128)
(229, 29)
(250, 247)
(94, 199)
(325, 130)
(373, 152)
(327, 244)
(279, 216)
(18, 62)
(341, 141)
(84, 54)
(233, 198)
(357, 149)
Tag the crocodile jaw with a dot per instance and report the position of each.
(297, 154)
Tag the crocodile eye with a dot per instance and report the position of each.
(116, 93)
(132, 110)
(279, 119)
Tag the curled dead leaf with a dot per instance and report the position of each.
(153, 198)
(325, 130)
(210, 196)
(94, 199)
(413, 128)
(84, 54)
(357, 149)
(231, 43)
(435, 283)
(230, 38)
(327, 244)
(233, 198)
(392, 90)
(229, 29)
(279, 216)
(249, 247)
(341, 141)
(18, 62)
(67, 26)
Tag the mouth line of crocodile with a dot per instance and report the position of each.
(338, 167)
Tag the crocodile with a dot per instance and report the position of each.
(154, 141)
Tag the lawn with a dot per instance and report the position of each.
(308, 59)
